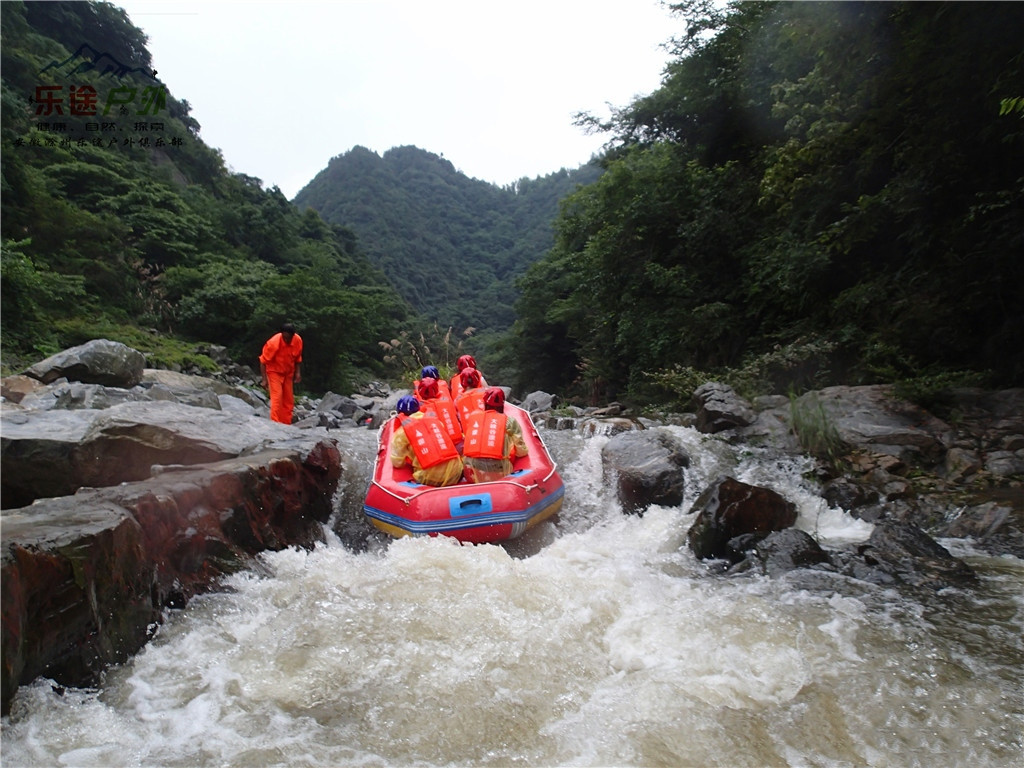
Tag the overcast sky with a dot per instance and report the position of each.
(282, 87)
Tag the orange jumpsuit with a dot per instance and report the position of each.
(280, 361)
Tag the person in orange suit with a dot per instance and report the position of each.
(281, 369)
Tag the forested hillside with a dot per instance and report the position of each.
(453, 246)
(818, 192)
(119, 222)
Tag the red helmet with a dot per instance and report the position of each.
(466, 361)
(494, 398)
(470, 378)
(428, 389)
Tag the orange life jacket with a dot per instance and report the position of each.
(485, 436)
(470, 401)
(429, 440)
(444, 409)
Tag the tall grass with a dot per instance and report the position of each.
(815, 431)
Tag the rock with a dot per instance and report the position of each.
(1005, 463)
(783, 551)
(77, 594)
(537, 402)
(719, 408)
(176, 382)
(997, 524)
(235, 405)
(961, 463)
(345, 406)
(729, 508)
(647, 468)
(14, 388)
(52, 453)
(37, 454)
(848, 494)
(903, 553)
(590, 427)
(979, 522)
(871, 419)
(891, 487)
(560, 422)
(100, 361)
(74, 395)
(86, 577)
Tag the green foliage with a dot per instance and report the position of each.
(931, 391)
(161, 351)
(1010, 106)
(106, 238)
(817, 193)
(32, 294)
(677, 384)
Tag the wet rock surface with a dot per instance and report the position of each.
(729, 510)
(647, 468)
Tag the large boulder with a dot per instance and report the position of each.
(539, 402)
(54, 452)
(185, 383)
(647, 468)
(86, 577)
(871, 419)
(37, 454)
(99, 361)
(733, 515)
(901, 553)
(719, 408)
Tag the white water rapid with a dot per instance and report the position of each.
(596, 640)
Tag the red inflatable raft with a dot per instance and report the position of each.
(471, 512)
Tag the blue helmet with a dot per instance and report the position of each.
(407, 404)
(430, 372)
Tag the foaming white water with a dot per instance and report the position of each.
(609, 646)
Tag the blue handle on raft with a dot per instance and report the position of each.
(479, 503)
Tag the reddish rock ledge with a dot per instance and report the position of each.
(86, 578)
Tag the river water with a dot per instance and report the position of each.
(595, 640)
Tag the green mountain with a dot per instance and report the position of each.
(119, 221)
(452, 246)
